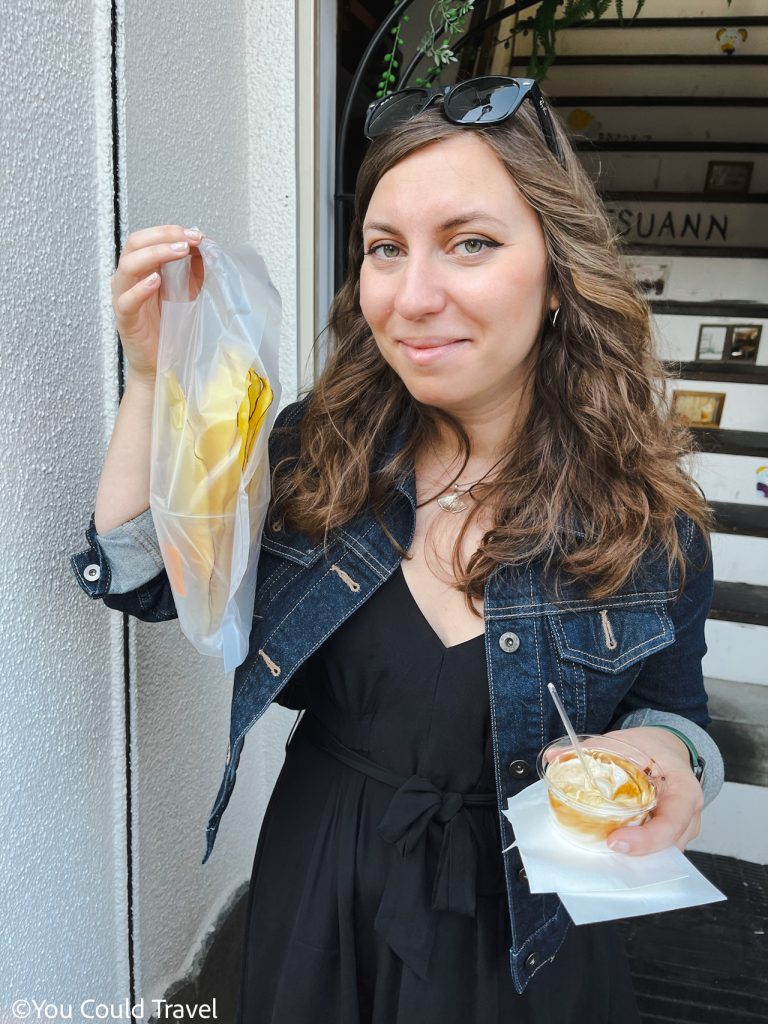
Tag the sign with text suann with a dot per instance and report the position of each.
(688, 223)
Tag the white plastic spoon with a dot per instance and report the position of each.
(574, 741)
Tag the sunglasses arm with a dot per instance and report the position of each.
(545, 120)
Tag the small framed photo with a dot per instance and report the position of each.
(731, 343)
(728, 176)
(712, 339)
(651, 278)
(744, 343)
(698, 408)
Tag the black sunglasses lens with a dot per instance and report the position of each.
(483, 101)
(396, 109)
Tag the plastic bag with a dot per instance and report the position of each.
(216, 398)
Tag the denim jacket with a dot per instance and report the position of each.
(627, 660)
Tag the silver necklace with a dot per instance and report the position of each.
(453, 501)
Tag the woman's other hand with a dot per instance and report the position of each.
(136, 288)
(677, 818)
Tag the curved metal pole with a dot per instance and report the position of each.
(340, 197)
(515, 8)
(341, 141)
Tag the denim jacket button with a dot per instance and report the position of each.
(92, 573)
(531, 961)
(509, 642)
(519, 769)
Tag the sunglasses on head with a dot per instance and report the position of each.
(487, 100)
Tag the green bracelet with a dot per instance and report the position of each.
(695, 760)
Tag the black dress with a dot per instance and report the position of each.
(341, 924)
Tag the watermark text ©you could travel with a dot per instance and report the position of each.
(92, 1009)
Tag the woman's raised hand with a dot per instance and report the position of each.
(136, 287)
(677, 819)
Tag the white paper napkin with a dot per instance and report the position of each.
(596, 885)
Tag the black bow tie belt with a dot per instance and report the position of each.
(404, 918)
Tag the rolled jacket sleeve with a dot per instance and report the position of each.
(714, 773)
(119, 560)
(670, 688)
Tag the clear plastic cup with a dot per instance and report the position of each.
(629, 784)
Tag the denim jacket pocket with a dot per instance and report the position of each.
(613, 638)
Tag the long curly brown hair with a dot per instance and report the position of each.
(592, 477)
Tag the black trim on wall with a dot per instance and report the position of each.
(744, 520)
(669, 147)
(754, 20)
(116, 176)
(657, 101)
(723, 307)
(740, 602)
(732, 442)
(734, 252)
(672, 59)
(731, 373)
(117, 227)
(688, 197)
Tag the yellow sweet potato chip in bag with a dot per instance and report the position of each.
(216, 399)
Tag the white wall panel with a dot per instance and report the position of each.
(677, 337)
(62, 797)
(227, 164)
(711, 278)
(739, 559)
(667, 172)
(745, 406)
(672, 40)
(197, 145)
(728, 477)
(669, 122)
(734, 824)
(737, 651)
(655, 80)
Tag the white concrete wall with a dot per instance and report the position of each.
(196, 146)
(62, 809)
(202, 147)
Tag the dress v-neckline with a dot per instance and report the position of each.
(425, 620)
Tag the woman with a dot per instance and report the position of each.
(480, 494)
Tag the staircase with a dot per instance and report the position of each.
(669, 117)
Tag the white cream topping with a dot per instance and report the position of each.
(614, 784)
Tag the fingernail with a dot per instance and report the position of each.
(619, 846)
(193, 233)
(179, 246)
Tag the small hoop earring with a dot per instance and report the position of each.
(553, 316)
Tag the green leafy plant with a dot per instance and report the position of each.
(545, 24)
(447, 19)
(391, 63)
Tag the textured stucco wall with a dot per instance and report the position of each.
(194, 148)
(62, 808)
(201, 147)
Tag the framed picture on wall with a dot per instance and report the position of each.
(712, 339)
(728, 176)
(698, 408)
(651, 278)
(733, 343)
(744, 343)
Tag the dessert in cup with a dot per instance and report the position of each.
(614, 785)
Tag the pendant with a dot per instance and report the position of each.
(452, 502)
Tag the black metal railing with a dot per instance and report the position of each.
(343, 195)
